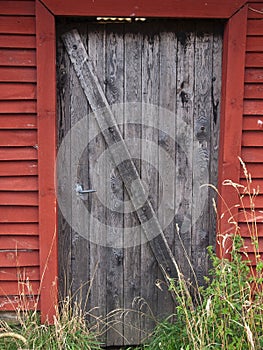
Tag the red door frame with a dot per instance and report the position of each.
(234, 11)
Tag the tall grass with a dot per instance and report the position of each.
(228, 312)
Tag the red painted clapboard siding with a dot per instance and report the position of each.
(19, 274)
(255, 170)
(17, 41)
(18, 57)
(18, 198)
(16, 288)
(252, 122)
(252, 138)
(254, 75)
(17, 7)
(18, 214)
(12, 303)
(14, 168)
(18, 153)
(253, 91)
(248, 230)
(18, 138)
(17, 91)
(20, 121)
(17, 25)
(254, 27)
(19, 229)
(252, 154)
(255, 43)
(19, 258)
(18, 74)
(19, 242)
(254, 59)
(18, 183)
(19, 106)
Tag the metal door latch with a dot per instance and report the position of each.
(80, 190)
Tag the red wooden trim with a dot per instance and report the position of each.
(146, 8)
(232, 114)
(46, 110)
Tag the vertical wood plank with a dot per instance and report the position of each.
(201, 159)
(80, 244)
(184, 138)
(167, 100)
(114, 92)
(98, 253)
(63, 126)
(132, 255)
(46, 111)
(150, 95)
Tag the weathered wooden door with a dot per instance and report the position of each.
(162, 82)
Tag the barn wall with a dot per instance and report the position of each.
(19, 242)
(252, 130)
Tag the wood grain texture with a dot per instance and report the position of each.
(254, 27)
(135, 63)
(252, 122)
(252, 154)
(18, 138)
(253, 75)
(254, 43)
(19, 198)
(254, 59)
(18, 107)
(15, 168)
(253, 91)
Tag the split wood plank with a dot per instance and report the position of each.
(112, 134)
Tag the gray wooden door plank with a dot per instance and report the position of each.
(111, 133)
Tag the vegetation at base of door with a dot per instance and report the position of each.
(228, 312)
(69, 332)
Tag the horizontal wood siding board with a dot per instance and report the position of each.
(253, 8)
(17, 7)
(18, 138)
(18, 106)
(18, 57)
(21, 214)
(250, 217)
(254, 59)
(252, 155)
(17, 41)
(253, 91)
(23, 229)
(15, 303)
(46, 108)
(19, 121)
(19, 198)
(19, 288)
(19, 242)
(252, 138)
(253, 107)
(18, 183)
(19, 258)
(252, 122)
(14, 168)
(255, 43)
(147, 8)
(17, 25)
(255, 169)
(18, 153)
(247, 230)
(256, 185)
(18, 74)
(17, 91)
(254, 75)
(254, 27)
(19, 273)
(248, 203)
